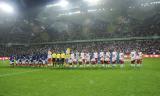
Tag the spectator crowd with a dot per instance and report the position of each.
(146, 46)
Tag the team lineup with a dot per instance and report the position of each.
(81, 59)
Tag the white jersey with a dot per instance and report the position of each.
(44, 62)
(83, 55)
(93, 59)
(101, 54)
(114, 55)
(107, 57)
(23, 61)
(88, 57)
(95, 55)
(133, 55)
(140, 55)
(70, 60)
(49, 56)
(74, 60)
(102, 58)
(72, 56)
(121, 56)
(77, 55)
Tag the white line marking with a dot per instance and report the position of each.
(16, 73)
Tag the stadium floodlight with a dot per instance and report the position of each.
(92, 2)
(6, 7)
(62, 3)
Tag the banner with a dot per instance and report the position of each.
(146, 56)
(4, 58)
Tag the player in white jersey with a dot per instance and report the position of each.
(77, 56)
(133, 58)
(80, 60)
(107, 58)
(95, 54)
(121, 59)
(74, 61)
(72, 56)
(70, 61)
(83, 57)
(101, 57)
(114, 57)
(87, 58)
(139, 58)
(93, 61)
(49, 57)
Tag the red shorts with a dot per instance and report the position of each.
(74, 62)
(121, 62)
(87, 62)
(93, 62)
(139, 61)
(102, 61)
(96, 60)
(83, 60)
(49, 60)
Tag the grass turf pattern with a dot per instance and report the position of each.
(20, 81)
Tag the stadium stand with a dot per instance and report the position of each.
(147, 47)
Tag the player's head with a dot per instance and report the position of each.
(138, 50)
(132, 49)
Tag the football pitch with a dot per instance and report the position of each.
(81, 82)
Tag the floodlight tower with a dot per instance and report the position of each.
(62, 3)
(92, 2)
(6, 8)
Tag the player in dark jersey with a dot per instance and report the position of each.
(12, 60)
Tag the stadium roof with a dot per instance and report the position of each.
(30, 17)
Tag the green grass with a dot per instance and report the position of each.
(78, 82)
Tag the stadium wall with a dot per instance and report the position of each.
(100, 40)
(84, 41)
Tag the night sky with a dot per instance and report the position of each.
(26, 5)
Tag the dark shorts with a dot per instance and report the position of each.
(57, 60)
(53, 60)
(87, 62)
(133, 62)
(107, 62)
(113, 62)
(80, 63)
(62, 60)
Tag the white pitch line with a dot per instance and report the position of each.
(17, 73)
